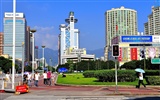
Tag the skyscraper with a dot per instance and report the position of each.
(1, 43)
(20, 34)
(152, 27)
(68, 36)
(119, 21)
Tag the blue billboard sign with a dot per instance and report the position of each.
(136, 38)
(63, 69)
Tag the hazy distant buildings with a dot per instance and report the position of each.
(69, 42)
(119, 21)
(1, 43)
(20, 36)
(152, 27)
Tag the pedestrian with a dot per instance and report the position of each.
(53, 79)
(45, 78)
(36, 78)
(141, 80)
(29, 79)
(8, 77)
(25, 79)
(49, 77)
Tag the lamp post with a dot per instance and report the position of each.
(22, 60)
(14, 34)
(43, 56)
(50, 62)
(50, 68)
(32, 34)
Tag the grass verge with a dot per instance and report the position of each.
(78, 79)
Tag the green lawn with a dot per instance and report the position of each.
(78, 79)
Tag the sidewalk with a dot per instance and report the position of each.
(71, 90)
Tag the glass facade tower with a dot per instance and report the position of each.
(20, 34)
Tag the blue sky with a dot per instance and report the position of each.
(47, 15)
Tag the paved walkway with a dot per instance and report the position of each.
(59, 92)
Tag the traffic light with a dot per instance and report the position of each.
(142, 54)
(115, 50)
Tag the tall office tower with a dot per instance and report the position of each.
(68, 36)
(1, 43)
(71, 32)
(118, 21)
(19, 36)
(152, 27)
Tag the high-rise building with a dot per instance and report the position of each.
(1, 43)
(20, 36)
(119, 21)
(68, 36)
(152, 27)
(69, 43)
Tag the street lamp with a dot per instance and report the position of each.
(14, 35)
(22, 60)
(43, 56)
(32, 34)
(50, 63)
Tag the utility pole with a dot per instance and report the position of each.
(116, 74)
(14, 34)
(22, 60)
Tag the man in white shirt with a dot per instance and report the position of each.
(45, 78)
(141, 80)
(29, 79)
(36, 78)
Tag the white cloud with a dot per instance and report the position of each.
(46, 36)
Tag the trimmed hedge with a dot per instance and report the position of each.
(152, 72)
(88, 73)
(153, 80)
(109, 75)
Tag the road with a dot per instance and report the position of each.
(59, 92)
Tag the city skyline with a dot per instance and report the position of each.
(91, 19)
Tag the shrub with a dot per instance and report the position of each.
(88, 73)
(109, 75)
(152, 72)
(153, 80)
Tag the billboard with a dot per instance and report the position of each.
(133, 53)
(156, 38)
(151, 52)
(63, 69)
(125, 54)
(136, 38)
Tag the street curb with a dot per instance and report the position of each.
(103, 85)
